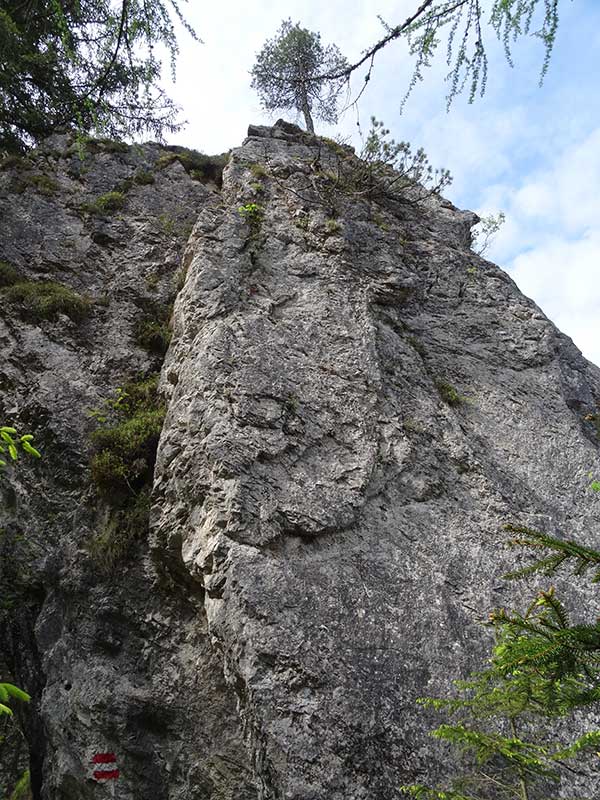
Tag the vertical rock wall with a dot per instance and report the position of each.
(357, 403)
(114, 661)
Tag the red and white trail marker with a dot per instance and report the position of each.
(105, 768)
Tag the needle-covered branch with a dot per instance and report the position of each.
(91, 65)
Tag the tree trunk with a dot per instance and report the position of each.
(310, 127)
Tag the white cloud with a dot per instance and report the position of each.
(562, 276)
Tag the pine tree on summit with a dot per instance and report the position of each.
(287, 74)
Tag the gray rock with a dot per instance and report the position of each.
(343, 521)
(326, 531)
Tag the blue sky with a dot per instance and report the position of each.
(531, 152)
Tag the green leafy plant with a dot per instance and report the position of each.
(465, 41)
(11, 442)
(154, 335)
(92, 64)
(543, 668)
(143, 177)
(43, 184)
(383, 170)
(258, 170)
(125, 445)
(388, 167)
(12, 445)
(22, 790)
(486, 231)
(8, 274)
(39, 300)
(253, 214)
(200, 167)
(10, 692)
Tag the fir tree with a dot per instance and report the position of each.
(286, 70)
(90, 64)
(500, 716)
(542, 669)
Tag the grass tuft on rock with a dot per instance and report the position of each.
(106, 203)
(39, 300)
(448, 393)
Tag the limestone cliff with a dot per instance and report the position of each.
(355, 404)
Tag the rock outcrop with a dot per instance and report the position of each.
(356, 404)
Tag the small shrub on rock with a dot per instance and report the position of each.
(153, 335)
(143, 178)
(448, 393)
(106, 203)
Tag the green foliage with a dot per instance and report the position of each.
(122, 465)
(332, 226)
(125, 445)
(287, 74)
(543, 668)
(143, 178)
(92, 64)
(258, 171)
(43, 184)
(153, 335)
(9, 692)
(384, 169)
(11, 160)
(560, 553)
(341, 150)
(500, 712)
(448, 393)
(103, 145)
(10, 446)
(486, 231)
(22, 790)
(388, 166)
(39, 300)
(106, 203)
(464, 44)
(111, 546)
(253, 214)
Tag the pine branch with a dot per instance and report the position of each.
(562, 550)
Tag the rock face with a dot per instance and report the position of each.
(356, 405)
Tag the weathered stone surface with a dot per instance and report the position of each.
(343, 521)
(326, 530)
(113, 661)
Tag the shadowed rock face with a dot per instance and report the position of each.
(326, 527)
(113, 661)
